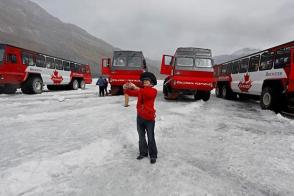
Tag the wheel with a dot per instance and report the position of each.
(33, 85)
(82, 84)
(205, 95)
(74, 85)
(197, 95)
(8, 89)
(269, 99)
(224, 92)
(218, 92)
(166, 90)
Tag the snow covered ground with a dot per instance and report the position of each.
(76, 143)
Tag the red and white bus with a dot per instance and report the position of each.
(189, 72)
(30, 71)
(268, 75)
(127, 66)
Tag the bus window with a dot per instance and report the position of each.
(223, 69)
(135, 62)
(72, 67)
(244, 65)
(83, 68)
(32, 60)
(12, 59)
(50, 63)
(282, 58)
(2, 51)
(254, 63)
(266, 61)
(184, 63)
(229, 68)
(120, 62)
(40, 61)
(235, 67)
(77, 67)
(25, 59)
(58, 64)
(66, 66)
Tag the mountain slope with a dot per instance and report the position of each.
(27, 25)
(237, 54)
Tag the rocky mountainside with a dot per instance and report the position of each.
(25, 24)
(237, 54)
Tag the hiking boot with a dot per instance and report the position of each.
(141, 157)
(153, 160)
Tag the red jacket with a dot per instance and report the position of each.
(145, 105)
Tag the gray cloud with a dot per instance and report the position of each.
(157, 27)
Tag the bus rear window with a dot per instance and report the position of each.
(2, 50)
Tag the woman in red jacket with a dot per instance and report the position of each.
(145, 114)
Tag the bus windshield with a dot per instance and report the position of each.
(135, 62)
(189, 63)
(130, 62)
(203, 62)
(2, 50)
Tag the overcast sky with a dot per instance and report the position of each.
(160, 26)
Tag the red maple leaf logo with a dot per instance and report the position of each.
(246, 84)
(56, 78)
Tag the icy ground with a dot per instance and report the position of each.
(75, 143)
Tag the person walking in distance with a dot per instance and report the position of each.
(101, 85)
(105, 86)
(145, 114)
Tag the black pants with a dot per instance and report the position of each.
(144, 126)
(101, 91)
(105, 88)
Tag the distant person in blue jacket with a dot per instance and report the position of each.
(101, 84)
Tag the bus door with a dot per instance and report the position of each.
(166, 65)
(13, 65)
(105, 66)
(291, 75)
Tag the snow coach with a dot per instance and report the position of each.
(126, 66)
(189, 72)
(30, 71)
(267, 75)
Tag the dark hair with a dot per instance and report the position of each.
(149, 76)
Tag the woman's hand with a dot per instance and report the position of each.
(130, 86)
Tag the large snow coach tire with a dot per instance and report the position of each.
(197, 95)
(33, 85)
(218, 91)
(225, 92)
(272, 99)
(167, 91)
(206, 95)
(74, 84)
(82, 84)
